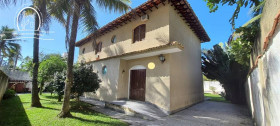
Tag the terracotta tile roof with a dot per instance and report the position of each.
(174, 44)
(182, 6)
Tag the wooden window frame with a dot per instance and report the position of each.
(139, 33)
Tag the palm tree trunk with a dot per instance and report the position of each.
(1, 57)
(35, 102)
(16, 61)
(65, 111)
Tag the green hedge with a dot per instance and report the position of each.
(9, 94)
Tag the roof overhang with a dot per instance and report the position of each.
(182, 7)
(172, 47)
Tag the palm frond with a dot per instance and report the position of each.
(5, 3)
(252, 20)
(114, 5)
(88, 18)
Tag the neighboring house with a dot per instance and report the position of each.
(216, 84)
(150, 54)
(19, 81)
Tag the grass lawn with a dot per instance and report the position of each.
(17, 112)
(215, 97)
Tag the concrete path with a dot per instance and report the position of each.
(207, 113)
(140, 109)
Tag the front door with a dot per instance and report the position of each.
(137, 84)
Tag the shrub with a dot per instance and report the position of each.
(9, 94)
(85, 80)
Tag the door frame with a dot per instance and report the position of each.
(136, 67)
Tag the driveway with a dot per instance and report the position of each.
(206, 113)
(209, 113)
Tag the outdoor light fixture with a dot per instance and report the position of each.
(161, 58)
(151, 65)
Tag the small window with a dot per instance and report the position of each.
(104, 70)
(139, 33)
(114, 39)
(84, 50)
(98, 47)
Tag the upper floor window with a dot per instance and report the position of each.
(84, 50)
(139, 33)
(98, 47)
(114, 39)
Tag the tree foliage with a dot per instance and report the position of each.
(9, 48)
(214, 4)
(85, 80)
(218, 64)
(50, 65)
(26, 65)
(57, 84)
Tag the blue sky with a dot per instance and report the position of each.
(216, 25)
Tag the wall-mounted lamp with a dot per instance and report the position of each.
(161, 58)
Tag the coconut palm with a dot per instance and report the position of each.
(41, 7)
(43, 20)
(79, 12)
(8, 43)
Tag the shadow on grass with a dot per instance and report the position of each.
(12, 113)
(50, 108)
(92, 121)
(51, 97)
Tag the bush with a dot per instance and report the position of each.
(9, 94)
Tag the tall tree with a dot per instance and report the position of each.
(218, 64)
(80, 12)
(41, 7)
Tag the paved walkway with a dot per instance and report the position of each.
(207, 113)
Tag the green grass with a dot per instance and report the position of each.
(215, 97)
(17, 112)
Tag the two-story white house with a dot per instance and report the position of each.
(150, 54)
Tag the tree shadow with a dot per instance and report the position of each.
(51, 97)
(84, 109)
(50, 108)
(12, 113)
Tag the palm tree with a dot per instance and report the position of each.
(8, 43)
(41, 7)
(83, 11)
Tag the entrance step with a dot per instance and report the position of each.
(137, 108)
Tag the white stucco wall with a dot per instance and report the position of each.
(108, 86)
(216, 84)
(186, 86)
(157, 34)
(263, 85)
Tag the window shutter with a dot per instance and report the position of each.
(136, 34)
(98, 47)
(142, 32)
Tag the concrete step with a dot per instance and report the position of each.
(138, 109)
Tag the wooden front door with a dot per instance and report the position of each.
(137, 84)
